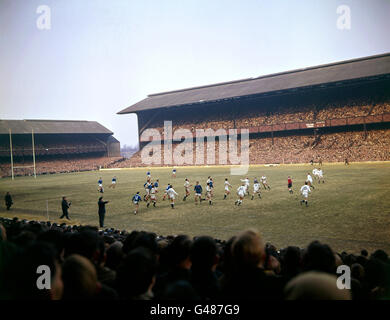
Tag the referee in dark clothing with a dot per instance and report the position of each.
(8, 201)
(65, 206)
(102, 211)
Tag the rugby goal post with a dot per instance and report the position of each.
(12, 158)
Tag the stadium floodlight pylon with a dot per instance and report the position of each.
(12, 158)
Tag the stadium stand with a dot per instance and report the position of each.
(332, 112)
(60, 146)
(112, 264)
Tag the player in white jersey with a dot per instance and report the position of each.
(246, 184)
(320, 176)
(263, 180)
(171, 194)
(227, 188)
(315, 173)
(187, 186)
(309, 180)
(241, 194)
(147, 187)
(305, 190)
(152, 197)
(209, 193)
(256, 189)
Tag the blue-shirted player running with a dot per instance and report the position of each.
(113, 183)
(100, 184)
(198, 192)
(136, 199)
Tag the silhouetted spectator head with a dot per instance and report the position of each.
(315, 286)
(56, 238)
(291, 265)
(136, 274)
(380, 255)
(364, 253)
(375, 273)
(178, 252)
(80, 279)
(88, 244)
(319, 257)
(25, 239)
(248, 250)
(357, 271)
(227, 258)
(114, 255)
(140, 239)
(29, 268)
(204, 253)
(180, 290)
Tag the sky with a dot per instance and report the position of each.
(93, 58)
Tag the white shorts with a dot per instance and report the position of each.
(172, 197)
(198, 194)
(241, 195)
(100, 185)
(113, 182)
(135, 202)
(305, 195)
(153, 197)
(255, 190)
(227, 189)
(147, 191)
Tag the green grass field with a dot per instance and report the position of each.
(350, 211)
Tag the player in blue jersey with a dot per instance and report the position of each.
(148, 175)
(113, 183)
(136, 199)
(174, 173)
(211, 184)
(166, 191)
(100, 185)
(198, 192)
(156, 184)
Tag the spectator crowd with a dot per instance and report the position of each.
(87, 263)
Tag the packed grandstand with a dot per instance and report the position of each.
(59, 146)
(329, 112)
